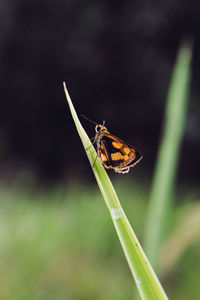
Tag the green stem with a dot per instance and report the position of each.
(147, 282)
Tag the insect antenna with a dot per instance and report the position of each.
(89, 119)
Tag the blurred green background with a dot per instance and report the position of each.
(61, 244)
(56, 237)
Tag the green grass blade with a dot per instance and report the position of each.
(161, 193)
(147, 283)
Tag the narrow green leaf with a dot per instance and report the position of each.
(164, 177)
(147, 283)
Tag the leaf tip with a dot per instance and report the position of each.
(66, 92)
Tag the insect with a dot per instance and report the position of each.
(113, 152)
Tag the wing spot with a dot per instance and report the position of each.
(126, 150)
(117, 145)
(116, 156)
(103, 157)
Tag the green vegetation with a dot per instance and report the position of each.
(61, 244)
(146, 280)
(164, 177)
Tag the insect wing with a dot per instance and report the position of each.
(116, 154)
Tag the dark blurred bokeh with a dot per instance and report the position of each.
(116, 58)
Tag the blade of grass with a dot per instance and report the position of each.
(147, 283)
(164, 177)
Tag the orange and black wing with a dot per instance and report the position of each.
(116, 154)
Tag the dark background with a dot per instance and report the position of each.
(116, 58)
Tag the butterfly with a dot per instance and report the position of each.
(113, 152)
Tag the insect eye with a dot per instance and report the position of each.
(98, 128)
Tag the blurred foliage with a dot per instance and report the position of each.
(116, 58)
(46, 253)
(161, 195)
(186, 232)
